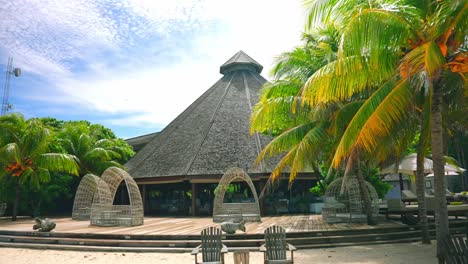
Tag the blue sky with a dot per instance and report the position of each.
(133, 65)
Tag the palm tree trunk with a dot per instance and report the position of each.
(421, 194)
(364, 194)
(442, 226)
(16, 203)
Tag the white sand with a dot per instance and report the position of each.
(411, 253)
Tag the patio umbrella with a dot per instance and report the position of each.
(447, 173)
(408, 166)
(450, 170)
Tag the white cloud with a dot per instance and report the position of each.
(148, 83)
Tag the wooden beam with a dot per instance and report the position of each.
(143, 198)
(194, 199)
(261, 185)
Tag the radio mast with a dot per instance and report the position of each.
(6, 88)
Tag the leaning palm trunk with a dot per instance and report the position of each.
(365, 195)
(442, 227)
(422, 211)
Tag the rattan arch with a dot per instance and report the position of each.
(226, 211)
(109, 214)
(92, 189)
(347, 206)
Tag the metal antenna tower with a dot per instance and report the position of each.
(6, 89)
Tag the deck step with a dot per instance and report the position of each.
(185, 243)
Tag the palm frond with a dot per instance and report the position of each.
(55, 162)
(386, 107)
(285, 141)
(10, 152)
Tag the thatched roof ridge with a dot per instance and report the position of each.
(240, 61)
(212, 134)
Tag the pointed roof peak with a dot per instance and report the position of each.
(241, 61)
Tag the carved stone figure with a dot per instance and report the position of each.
(230, 227)
(44, 225)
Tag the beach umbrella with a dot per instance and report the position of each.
(408, 166)
(450, 170)
(447, 173)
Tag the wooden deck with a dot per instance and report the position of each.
(194, 225)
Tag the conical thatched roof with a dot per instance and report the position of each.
(212, 134)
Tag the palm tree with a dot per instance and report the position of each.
(299, 130)
(412, 46)
(24, 155)
(94, 154)
(304, 133)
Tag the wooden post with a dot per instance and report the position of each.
(194, 199)
(143, 197)
(261, 185)
(400, 177)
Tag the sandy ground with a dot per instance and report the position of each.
(411, 253)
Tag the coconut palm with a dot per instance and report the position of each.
(300, 130)
(305, 133)
(94, 155)
(412, 46)
(24, 155)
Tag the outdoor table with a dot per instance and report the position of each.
(241, 256)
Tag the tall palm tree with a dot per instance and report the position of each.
(24, 155)
(413, 46)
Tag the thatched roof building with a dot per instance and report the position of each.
(210, 136)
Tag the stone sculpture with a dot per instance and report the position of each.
(230, 227)
(44, 225)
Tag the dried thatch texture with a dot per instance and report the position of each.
(212, 134)
(225, 211)
(92, 189)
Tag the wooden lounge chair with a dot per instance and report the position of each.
(456, 249)
(274, 249)
(212, 248)
(407, 212)
(452, 210)
(408, 196)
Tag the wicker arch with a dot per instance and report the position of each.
(347, 206)
(92, 189)
(225, 211)
(109, 214)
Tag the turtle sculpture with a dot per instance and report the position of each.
(230, 227)
(44, 225)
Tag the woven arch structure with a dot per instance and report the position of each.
(92, 189)
(249, 211)
(347, 206)
(95, 196)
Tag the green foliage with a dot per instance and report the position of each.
(319, 189)
(95, 146)
(48, 143)
(231, 188)
(380, 186)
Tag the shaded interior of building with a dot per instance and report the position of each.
(196, 199)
